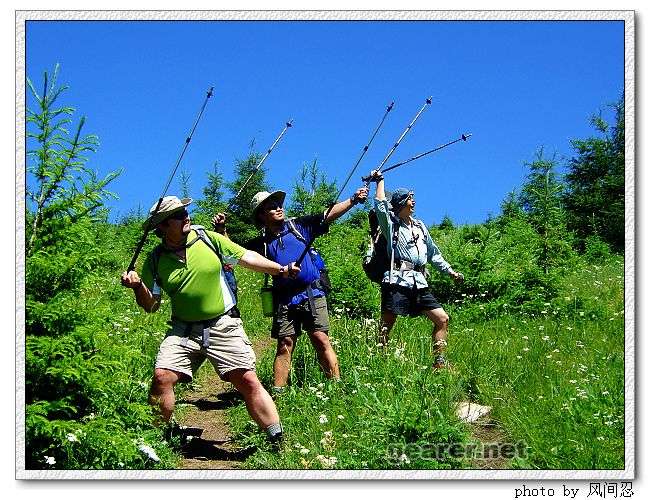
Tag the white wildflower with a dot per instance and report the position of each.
(326, 462)
(49, 460)
(304, 451)
(340, 417)
(404, 459)
(72, 438)
(323, 419)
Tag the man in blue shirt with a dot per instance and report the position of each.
(404, 288)
(299, 304)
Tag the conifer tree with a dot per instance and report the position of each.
(541, 200)
(61, 188)
(240, 224)
(311, 192)
(212, 201)
(595, 194)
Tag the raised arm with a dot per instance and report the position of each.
(342, 207)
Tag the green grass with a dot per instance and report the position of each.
(554, 378)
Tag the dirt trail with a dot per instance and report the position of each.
(206, 415)
(487, 432)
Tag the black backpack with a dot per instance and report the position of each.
(377, 260)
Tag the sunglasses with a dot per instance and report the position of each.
(178, 215)
(272, 205)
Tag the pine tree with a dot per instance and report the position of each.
(240, 224)
(212, 201)
(61, 188)
(311, 192)
(185, 183)
(541, 200)
(446, 223)
(595, 195)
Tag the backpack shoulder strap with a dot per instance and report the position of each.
(423, 228)
(294, 230)
(155, 259)
(203, 236)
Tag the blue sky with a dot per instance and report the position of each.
(515, 86)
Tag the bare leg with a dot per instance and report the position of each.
(259, 404)
(161, 393)
(326, 355)
(282, 363)
(387, 322)
(440, 321)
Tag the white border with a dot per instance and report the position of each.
(167, 15)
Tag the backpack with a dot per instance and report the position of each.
(377, 260)
(201, 235)
(323, 282)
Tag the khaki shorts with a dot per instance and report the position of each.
(229, 348)
(290, 320)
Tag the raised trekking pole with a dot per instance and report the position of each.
(363, 152)
(169, 181)
(463, 138)
(287, 126)
(406, 130)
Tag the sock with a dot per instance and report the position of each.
(274, 431)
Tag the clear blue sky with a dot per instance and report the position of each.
(514, 85)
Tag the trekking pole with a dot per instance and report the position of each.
(408, 128)
(363, 152)
(463, 137)
(287, 126)
(171, 176)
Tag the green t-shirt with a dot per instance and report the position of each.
(196, 287)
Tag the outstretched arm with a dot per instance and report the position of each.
(256, 262)
(340, 208)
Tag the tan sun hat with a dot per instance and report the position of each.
(261, 197)
(169, 205)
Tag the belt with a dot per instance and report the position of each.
(405, 265)
(233, 312)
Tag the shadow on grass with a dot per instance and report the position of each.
(224, 401)
(203, 449)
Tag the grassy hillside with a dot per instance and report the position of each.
(551, 368)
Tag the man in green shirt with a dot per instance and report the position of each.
(205, 321)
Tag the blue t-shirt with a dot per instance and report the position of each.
(285, 248)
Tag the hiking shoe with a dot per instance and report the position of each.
(440, 363)
(275, 442)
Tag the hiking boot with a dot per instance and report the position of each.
(441, 363)
(275, 442)
(183, 433)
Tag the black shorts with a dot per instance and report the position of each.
(406, 301)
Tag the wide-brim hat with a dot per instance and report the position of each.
(168, 206)
(260, 198)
